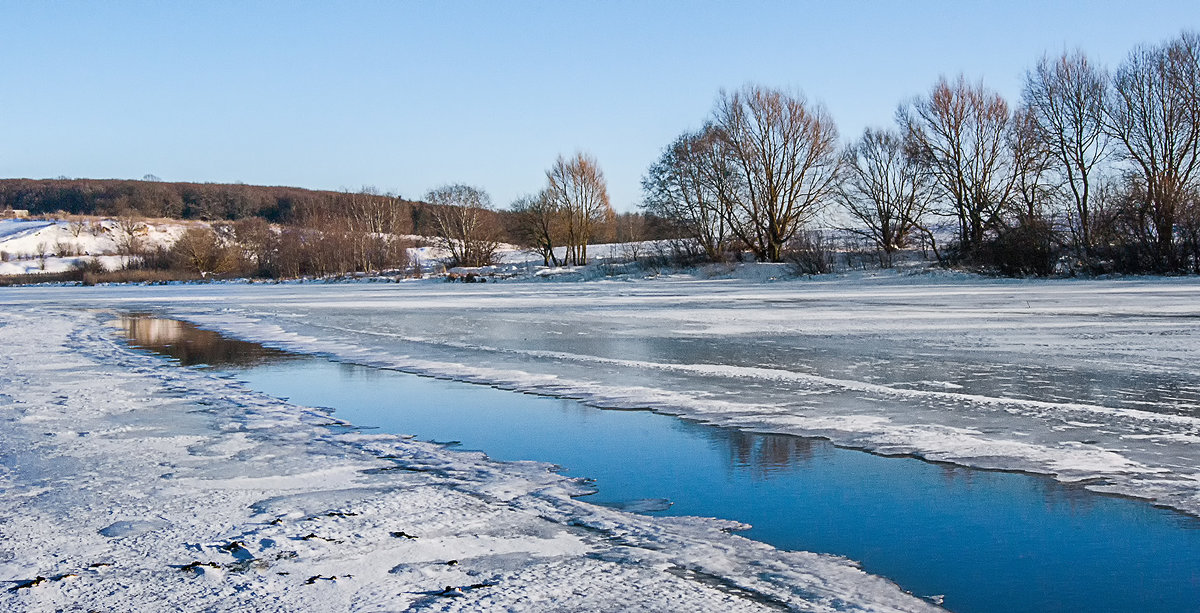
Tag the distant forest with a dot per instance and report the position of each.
(205, 201)
(277, 204)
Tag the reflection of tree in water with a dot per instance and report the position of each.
(191, 345)
(1074, 496)
(952, 474)
(769, 453)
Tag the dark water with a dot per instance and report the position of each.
(989, 541)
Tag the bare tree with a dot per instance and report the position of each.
(539, 224)
(884, 190)
(1065, 101)
(959, 131)
(465, 224)
(258, 242)
(687, 187)
(375, 251)
(129, 235)
(77, 226)
(784, 153)
(371, 212)
(1154, 113)
(577, 187)
(1032, 162)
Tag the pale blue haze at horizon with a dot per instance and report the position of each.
(408, 96)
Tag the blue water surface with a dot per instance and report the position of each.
(989, 541)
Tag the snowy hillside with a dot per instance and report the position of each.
(35, 246)
(52, 246)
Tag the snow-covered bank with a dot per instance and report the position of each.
(130, 484)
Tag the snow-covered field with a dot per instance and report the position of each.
(1089, 381)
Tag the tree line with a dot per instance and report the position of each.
(1091, 171)
(574, 210)
(207, 201)
(285, 232)
(571, 212)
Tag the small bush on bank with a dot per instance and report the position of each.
(809, 253)
(1029, 249)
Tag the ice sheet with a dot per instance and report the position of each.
(1087, 380)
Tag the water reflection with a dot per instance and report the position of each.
(765, 454)
(192, 346)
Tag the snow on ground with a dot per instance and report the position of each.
(127, 483)
(32, 238)
(56, 264)
(514, 260)
(58, 245)
(50, 246)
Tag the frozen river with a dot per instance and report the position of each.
(986, 541)
(1090, 382)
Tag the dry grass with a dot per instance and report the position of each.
(93, 278)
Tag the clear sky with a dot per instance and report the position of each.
(408, 96)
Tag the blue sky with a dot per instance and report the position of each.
(409, 96)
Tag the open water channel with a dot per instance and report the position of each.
(987, 541)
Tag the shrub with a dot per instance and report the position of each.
(1028, 249)
(89, 265)
(809, 253)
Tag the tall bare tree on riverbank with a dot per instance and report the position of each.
(960, 132)
(689, 186)
(577, 189)
(1154, 113)
(884, 190)
(1065, 99)
(539, 225)
(784, 152)
(763, 166)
